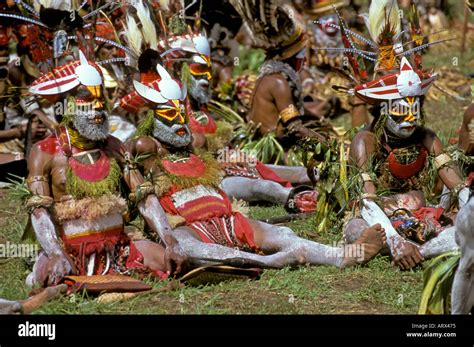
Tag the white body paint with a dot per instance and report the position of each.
(462, 295)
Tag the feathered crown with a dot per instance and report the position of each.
(273, 27)
(60, 22)
(162, 90)
(397, 76)
(67, 77)
(144, 41)
(319, 7)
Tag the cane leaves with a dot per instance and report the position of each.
(438, 278)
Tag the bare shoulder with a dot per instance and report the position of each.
(41, 158)
(365, 136)
(275, 82)
(144, 145)
(363, 145)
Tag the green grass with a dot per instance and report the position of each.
(376, 288)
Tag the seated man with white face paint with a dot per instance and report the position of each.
(392, 155)
(74, 177)
(187, 183)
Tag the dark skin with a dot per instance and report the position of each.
(466, 135)
(54, 167)
(273, 95)
(364, 147)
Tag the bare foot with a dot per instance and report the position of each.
(367, 246)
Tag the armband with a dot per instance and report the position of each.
(38, 201)
(288, 113)
(441, 160)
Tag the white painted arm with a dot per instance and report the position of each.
(463, 197)
(46, 232)
(155, 216)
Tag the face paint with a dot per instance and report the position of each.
(90, 97)
(403, 116)
(170, 113)
(326, 25)
(170, 124)
(199, 88)
(203, 70)
(89, 117)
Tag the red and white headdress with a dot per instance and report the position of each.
(405, 83)
(68, 77)
(160, 91)
(397, 77)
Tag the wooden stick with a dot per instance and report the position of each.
(31, 304)
(464, 30)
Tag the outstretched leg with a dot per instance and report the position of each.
(442, 243)
(272, 238)
(251, 190)
(285, 248)
(201, 253)
(293, 174)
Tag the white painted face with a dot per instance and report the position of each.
(403, 116)
(326, 26)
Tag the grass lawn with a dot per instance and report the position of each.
(377, 288)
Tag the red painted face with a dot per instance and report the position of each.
(327, 24)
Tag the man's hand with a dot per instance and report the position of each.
(175, 257)
(405, 254)
(38, 129)
(60, 265)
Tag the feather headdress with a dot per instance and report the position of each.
(390, 54)
(273, 27)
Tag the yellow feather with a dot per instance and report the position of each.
(379, 10)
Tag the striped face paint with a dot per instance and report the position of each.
(170, 113)
(403, 116)
(90, 97)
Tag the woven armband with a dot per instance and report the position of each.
(33, 179)
(142, 191)
(288, 113)
(37, 201)
(441, 160)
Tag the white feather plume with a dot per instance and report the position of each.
(378, 12)
(148, 27)
(164, 4)
(133, 35)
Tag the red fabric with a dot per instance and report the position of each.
(244, 231)
(209, 210)
(91, 172)
(429, 213)
(50, 145)
(97, 242)
(470, 179)
(268, 174)
(135, 260)
(306, 201)
(201, 208)
(405, 171)
(193, 167)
